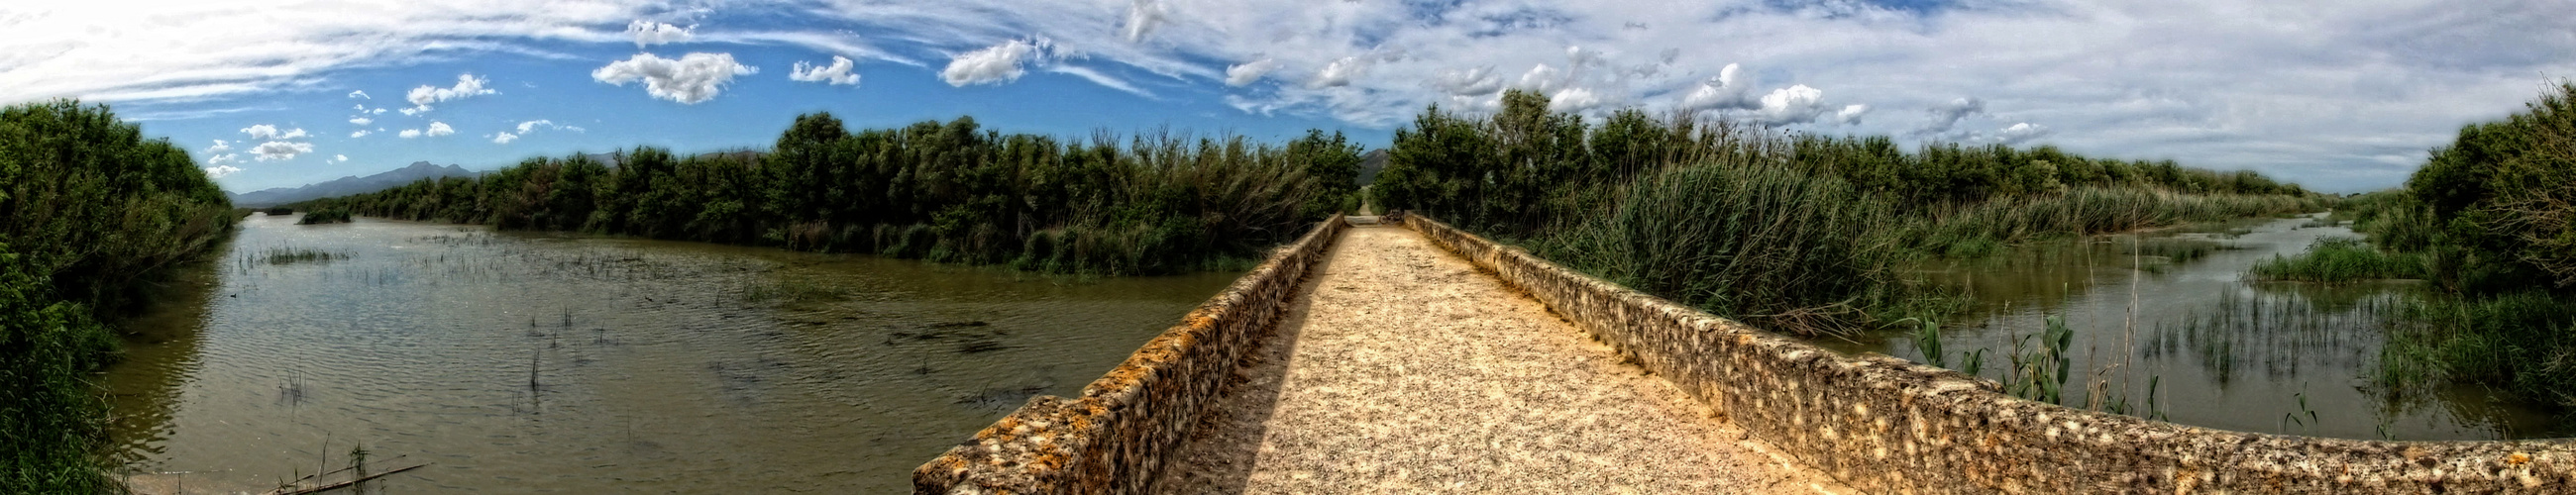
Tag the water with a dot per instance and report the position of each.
(2174, 314)
(533, 363)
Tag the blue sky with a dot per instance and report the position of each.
(2338, 95)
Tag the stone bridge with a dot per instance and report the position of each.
(1413, 357)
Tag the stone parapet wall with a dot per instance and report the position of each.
(1119, 433)
(1891, 426)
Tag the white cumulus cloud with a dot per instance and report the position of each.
(437, 128)
(1850, 114)
(361, 95)
(280, 150)
(1729, 90)
(219, 147)
(359, 133)
(2021, 132)
(837, 73)
(340, 158)
(265, 131)
(1796, 104)
(219, 171)
(409, 133)
(361, 120)
(690, 79)
(993, 65)
(466, 86)
(649, 33)
(524, 127)
(1247, 72)
(1573, 100)
(1339, 73)
(504, 137)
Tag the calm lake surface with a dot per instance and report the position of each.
(2171, 311)
(533, 363)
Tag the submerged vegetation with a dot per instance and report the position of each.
(89, 212)
(2340, 260)
(950, 192)
(2491, 220)
(1798, 232)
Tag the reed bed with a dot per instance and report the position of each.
(1795, 232)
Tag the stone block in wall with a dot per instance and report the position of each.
(1125, 426)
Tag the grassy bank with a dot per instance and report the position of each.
(1795, 232)
(89, 210)
(2491, 219)
(950, 192)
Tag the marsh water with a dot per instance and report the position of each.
(537, 363)
(2170, 313)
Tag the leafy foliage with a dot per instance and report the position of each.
(2494, 214)
(88, 209)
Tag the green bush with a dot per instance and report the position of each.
(2504, 196)
(89, 211)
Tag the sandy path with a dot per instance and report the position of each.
(1405, 370)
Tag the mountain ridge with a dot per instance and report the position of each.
(347, 185)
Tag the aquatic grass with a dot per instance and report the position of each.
(2178, 249)
(2336, 260)
(2524, 342)
(290, 256)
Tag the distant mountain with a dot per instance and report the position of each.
(348, 185)
(1370, 165)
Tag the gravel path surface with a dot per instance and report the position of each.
(1405, 370)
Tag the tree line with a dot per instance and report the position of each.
(951, 192)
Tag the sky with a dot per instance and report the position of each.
(2341, 96)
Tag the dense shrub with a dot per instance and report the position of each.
(2493, 217)
(88, 210)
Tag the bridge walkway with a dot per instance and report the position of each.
(1404, 369)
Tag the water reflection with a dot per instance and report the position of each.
(2167, 312)
(527, 363)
